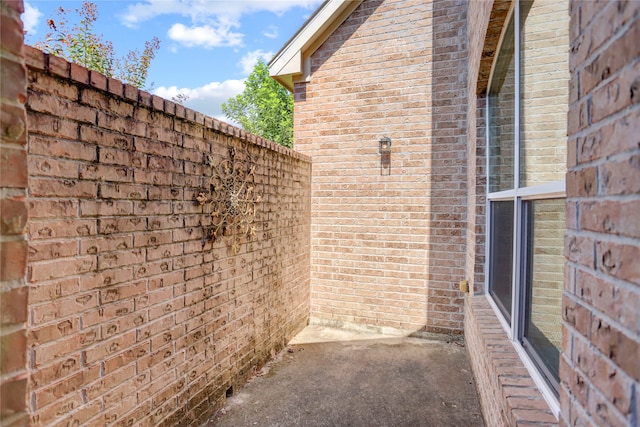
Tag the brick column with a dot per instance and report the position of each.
(599, 369)
(13, 217)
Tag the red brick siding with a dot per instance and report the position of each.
(14, 212)
(388, 250)
(600, 372)
(133, 317)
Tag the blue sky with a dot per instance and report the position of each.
(207, 47)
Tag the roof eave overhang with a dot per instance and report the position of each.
(290, 64)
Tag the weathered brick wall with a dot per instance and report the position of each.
(13, 218)
(135, 317)
(388, 236)
(599, 368)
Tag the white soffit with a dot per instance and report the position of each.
(289, 63)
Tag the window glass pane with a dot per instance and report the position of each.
(502, 117)
(545, 225)
(501, 255)
(544, 91)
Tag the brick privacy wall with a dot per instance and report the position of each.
(13, 218)
(133, 317)
(388, 250)
(599, 370)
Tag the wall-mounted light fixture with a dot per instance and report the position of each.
(385, 145)
(384, 148)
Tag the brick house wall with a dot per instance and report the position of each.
(13, 218)
(599, 368)
(135, 315)
(388, 232)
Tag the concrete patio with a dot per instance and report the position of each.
(331, 377)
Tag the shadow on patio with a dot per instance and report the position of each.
(331, 377)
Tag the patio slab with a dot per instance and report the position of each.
(331, 377)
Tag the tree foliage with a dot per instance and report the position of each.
(264, 107)
(77, 42)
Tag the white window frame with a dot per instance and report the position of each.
(518, 195)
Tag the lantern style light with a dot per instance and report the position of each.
(385, 145)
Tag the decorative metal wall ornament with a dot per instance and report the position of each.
(232, 201)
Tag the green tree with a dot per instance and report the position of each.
(77, 42)
(264, 107)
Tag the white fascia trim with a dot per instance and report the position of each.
(289, 62)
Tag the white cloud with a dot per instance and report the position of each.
(251, 58)
(207, 99)
(203, 10)
(206, 36)
(271, 32)
(30, 18)
(211, 21)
